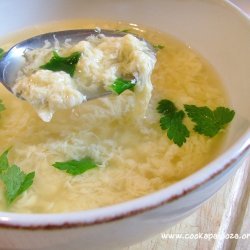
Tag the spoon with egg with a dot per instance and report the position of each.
(14, 59)
(62, 69)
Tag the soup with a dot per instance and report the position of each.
(135, 157)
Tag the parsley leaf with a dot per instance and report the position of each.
(27, 182)
(66, 64)
(16, 182)
(172, 121)
(123, 31)
(2, 53)
(223, 115)
(120, 85)
(166, 107)
(128, 31)
(2, 107)
(75, 167)
(4, 163)
(158, 46)
(209, 122)
(176, 130)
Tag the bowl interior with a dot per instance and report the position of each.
(214, 28)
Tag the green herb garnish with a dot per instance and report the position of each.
(16, 182)
(4, 163)
(176, 130)
(75, 167)
(124, 31)
(2, 53)
(14, 179)
(207, 121)
(166, 107)
(172, 121)
(66, 64)
(2, 107)
(120, 85)
(158, 47)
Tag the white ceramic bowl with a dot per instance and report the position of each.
(221, 33)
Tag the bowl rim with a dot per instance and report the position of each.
(139, 205)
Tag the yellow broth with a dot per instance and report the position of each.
(137, 158)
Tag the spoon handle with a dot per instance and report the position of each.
(107, 93)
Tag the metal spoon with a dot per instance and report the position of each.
(14, 60)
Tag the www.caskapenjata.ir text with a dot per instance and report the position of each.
(206, 236)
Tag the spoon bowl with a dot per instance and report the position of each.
(14, 60)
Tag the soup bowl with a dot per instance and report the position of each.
(217, 30)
